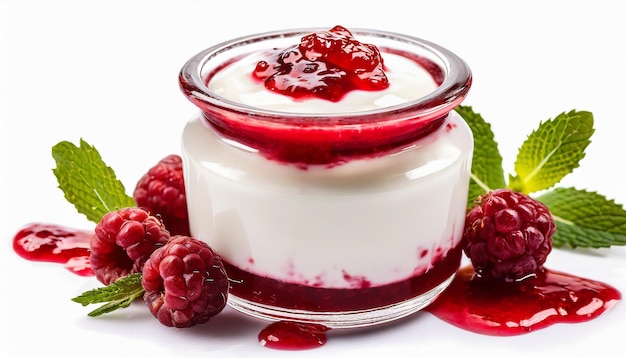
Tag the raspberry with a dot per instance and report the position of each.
(185, 283)
(123, 242)
(508, 235)
(161, 192)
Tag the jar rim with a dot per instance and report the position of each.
(450, 93)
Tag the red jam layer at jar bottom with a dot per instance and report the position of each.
(268, 291)
(507, 309)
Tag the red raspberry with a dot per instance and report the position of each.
(161, 192)
(185, 283)
(508, 235)
(123, 242)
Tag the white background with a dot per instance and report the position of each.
(106, 71)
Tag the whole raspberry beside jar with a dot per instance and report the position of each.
(508, 235)
(161, 191)
(185, 283)
(123, 241)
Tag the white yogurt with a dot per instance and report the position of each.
(407, 82)
(369, 218)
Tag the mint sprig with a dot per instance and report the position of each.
(119, 294)
(93, 188)
(87, 181)
(585, 219)
(549, 153)
(552, 151)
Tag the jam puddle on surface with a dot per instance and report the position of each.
(497, 309)
(508, 309)
(287, 335)
(57, 244)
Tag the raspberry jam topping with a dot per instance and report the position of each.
(326, 64)
(499, 308)
(54, 243)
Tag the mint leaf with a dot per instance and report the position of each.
(585, 219)
(487, 172)
(119, 294)
(552, 151)
(87, 181)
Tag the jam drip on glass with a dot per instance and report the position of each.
(326, 64)
(331, 146)
(512, 308)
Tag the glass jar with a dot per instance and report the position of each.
(342, 219)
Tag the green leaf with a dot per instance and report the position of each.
(87, 181)
(487, 172)
(585, 219)
(119, 294)
(552, 151)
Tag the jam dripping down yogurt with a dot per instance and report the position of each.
(326, 65)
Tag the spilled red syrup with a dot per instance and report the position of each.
(54, 243)
(505, 309)
(287, 335)
(468, 303)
